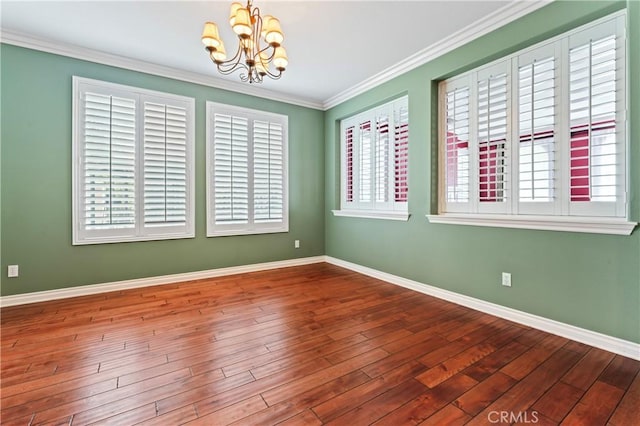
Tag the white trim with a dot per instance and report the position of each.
(591, 225)
(373, 214)
(503, 16)
(592, 338)
(85, 290)
(73, 51)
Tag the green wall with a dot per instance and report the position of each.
(588, 280)
(36, 183)
(591, 281)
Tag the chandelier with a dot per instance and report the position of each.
(260, 52)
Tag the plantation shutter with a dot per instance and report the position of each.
(492, 113)
(536, 136)
(401, 153)
(456, 138)
(246, 171)
(109, 160)
(231, 169)
(540, 135)
(268, 174)
(374, 148)
(381, 173)
(132, 174)
(365, 160)
(596, 106)
(165, 164)
(349, 141)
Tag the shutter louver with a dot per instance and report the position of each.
(231, 169)
(492, 138)
(592, 112)
(536, 97)
(401, 149)
(268, 172)
(365, 162)
(109, 162)
(382, 159)
(165, 164)
(457, 145)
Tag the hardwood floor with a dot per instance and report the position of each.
(306, 345)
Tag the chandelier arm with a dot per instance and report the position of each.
(273, 52)
(232, 70)
(272, 75)
(232, 63)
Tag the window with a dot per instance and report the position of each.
(246, 171)
(374, 148)
(133, 164)
(539, 136)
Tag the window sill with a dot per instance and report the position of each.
(240, 232)
(133, 239)
(592, 225)
(373, 214)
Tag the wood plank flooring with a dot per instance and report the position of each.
(308, 345)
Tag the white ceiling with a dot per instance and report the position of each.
(333, 46)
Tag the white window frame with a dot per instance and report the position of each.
(251, 227)
(561, 214)
(139, 232)
(390, 209)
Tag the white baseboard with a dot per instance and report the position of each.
(592, 338)
(63, 293)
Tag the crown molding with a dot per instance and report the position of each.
(82, 53)
(512, 11)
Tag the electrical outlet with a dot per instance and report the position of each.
(12, 271)
(506, 279)
(296, 244)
